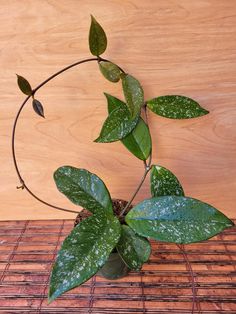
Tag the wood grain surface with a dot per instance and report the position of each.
(172, 47)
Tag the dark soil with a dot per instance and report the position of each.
(118, 206)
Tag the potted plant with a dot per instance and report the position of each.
(111, 236)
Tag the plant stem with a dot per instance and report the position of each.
(136, 192)
(147, 168)
(23, 184)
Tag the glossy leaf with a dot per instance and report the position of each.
(164, 182)
(139, 142)
(83, 188)
(118, 124)
(176, 107)
(133, 93)
(97, 38)
(24, 85)
(176, 219)
(83, 252)
(133, 249)
(38, 107)
(110, 71)
(113, 103)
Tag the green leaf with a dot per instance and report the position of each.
(97, 38)
(118, 124)
(133, 249)
(110, 71)
(164, 182)
(133, 93)
(139, 142)
(38, 107)
(114, 103)
(83, 252)
(83, 188)
(24, 85)
(176, 107)
(176, 219)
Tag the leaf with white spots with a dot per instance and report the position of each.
(133, 93)
(97, 38)
(176, 107)
(110, 71)
(83, 188)
(164, 182)
(133, 249)
(138, 141)
(83, 253)
(118, 124)
(176, 219)
(113, 103)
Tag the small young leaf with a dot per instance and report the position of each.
(24, 85)
(110, 71)
(133, 93)
(97, 38)
(83, 188)
(164, 182)
(176, 219)
(176, 107)
(134, 249)
(38, 107)
(118, 124)
(139, 142)
(83, 252)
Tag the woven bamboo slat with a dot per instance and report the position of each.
(28, 248)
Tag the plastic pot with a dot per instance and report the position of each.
(114, 267)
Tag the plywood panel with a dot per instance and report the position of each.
(172, 47)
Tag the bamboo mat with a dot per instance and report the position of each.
(28, 248)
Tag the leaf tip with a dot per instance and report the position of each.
(231, 223)
(97, 140)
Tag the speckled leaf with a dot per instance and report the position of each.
(97, 38)
(83, 188)
(83, 252)
(176, 107)
(24, 85)
(133, 93)
(133, 249)
(164, 182)
(118, 124)
(113, 103)
(38, 107)
(176, 219)
(110, 71)
(139, 142)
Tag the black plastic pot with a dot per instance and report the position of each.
(114, 267)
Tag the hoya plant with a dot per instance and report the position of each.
(168, 215)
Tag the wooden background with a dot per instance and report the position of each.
(172, 47)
